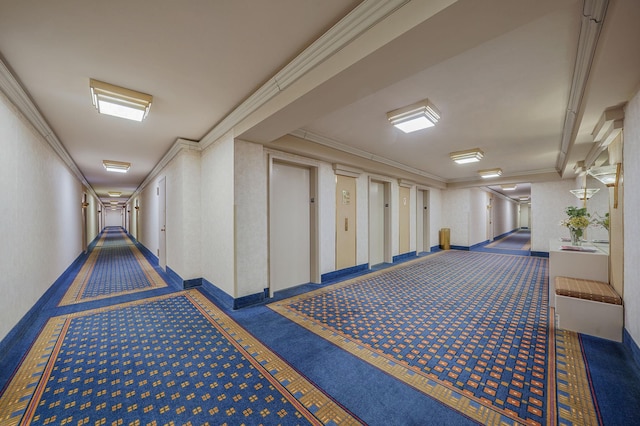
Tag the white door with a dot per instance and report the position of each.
(290, 229)
(162, 223)
(376, 223)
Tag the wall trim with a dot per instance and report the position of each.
(628, 341)
(330, 143)
(178, 146)
(404, 256)
(341, 273)
(349, 28)
(540, 254)
(16, 94)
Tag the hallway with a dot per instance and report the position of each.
(131, 346)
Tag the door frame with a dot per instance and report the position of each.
(162, 223)
(423, 219)
(387, 249)
(314, 203)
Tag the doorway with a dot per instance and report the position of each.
(423, 237)
(345, 222)
(292, 224)
(162, 223)
(379, 226)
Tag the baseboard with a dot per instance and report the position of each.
(481, 244)
(628, 341)
(465, 248)
(50, 298)
(334, 275)
(250, 300)
(540, 254)
(148, 254)
(404, 256)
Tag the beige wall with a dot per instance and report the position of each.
(41, 223)
(631, 223)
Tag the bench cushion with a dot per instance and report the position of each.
(597, 291)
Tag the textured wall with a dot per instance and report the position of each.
(217, 214)
(251, 239)
(41, 224)
(631, 222)
(548, 202)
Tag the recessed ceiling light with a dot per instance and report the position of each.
(114, 194)
(468, 156)
(490, 173)
(118, 101)
(420, 115)
(509, 187)
(116, 166)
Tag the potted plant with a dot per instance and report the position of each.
(577, 221)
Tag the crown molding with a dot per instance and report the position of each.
(593, 13)
(359, 20)
(178, 146)
(16, 94)
(322, 140)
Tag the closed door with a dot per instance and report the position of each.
(290, 230)
(376, 223)
(345, 222)
(162, 222)
(423, 243)
(405, 217)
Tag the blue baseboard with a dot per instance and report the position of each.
(483, 243)
(628, 341)
(330, 276)
(229, 303)
(49, 299)
(250, 300)
(404, 256)
(465, 248)
(540, 254)
(434, 249)
(148, 254)
(194, 282)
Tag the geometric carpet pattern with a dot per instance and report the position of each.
(469, 329)
(519, 240)
(115, 266)
(172, 359)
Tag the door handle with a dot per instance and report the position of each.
(346, 223)
(162, 229)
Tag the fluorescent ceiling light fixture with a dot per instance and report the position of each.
(490, 173)
(420, 115)
(468, 156)
(524, 198)
(509, 187)
(118, 101)
(113, 202)
(116, 166)
(114, 194)
(605, 174)
(584, 194)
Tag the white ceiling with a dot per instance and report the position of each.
(500, 71)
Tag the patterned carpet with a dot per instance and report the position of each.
(115, 267)
(469, 329)
(519, 240)
(173, 359)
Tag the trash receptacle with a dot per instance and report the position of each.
(445, 235)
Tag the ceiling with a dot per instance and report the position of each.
(502, 81)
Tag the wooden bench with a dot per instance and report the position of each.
(589, 307)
